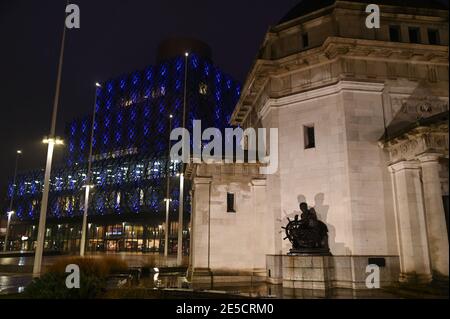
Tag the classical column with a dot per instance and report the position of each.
(200, 236)
(435, 214)
(261, 238)
(191, 225)
(411, 225)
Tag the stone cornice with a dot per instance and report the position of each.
(418, 141)
(333, 49)
(350, 86)
(348, 7)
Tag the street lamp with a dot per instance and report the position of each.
(181, 201)
(166, 230)
(55, 141)
(11, 212)
(88, 177)
(51, 141)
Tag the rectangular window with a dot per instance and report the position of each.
(305, 40)
(414, 35)
(231, 203)
(394, 33)
(433, 37)
(309, 136)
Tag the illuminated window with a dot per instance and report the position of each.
(159, 92)
(203, 89)
(66, 203)
(141, 197)
(128, 103)
(118, 198)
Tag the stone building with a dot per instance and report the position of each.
(362, 116)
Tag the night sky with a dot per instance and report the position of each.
(116, 37)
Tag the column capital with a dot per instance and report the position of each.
(403, 165)
(429, 158)
(259, 182)
(202, 180)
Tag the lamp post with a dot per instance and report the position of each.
(166, 229)
(181, 201)
(10, 213)
(51, 141)
(88, 185)
(11, 203)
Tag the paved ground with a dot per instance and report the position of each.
(15, 272)
(11, 284)
(15, 275)
(132, 259)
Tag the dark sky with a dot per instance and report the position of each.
(116, 36)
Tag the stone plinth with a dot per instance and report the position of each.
(306, 272)
(329, 272)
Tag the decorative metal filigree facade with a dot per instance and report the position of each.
(130, 144)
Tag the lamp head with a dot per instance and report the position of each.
(56, 141)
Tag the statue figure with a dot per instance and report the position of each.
(308, 235)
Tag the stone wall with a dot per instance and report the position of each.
(230, 243)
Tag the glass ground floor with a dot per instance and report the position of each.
(102, 236)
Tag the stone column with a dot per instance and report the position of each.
(200, 237)
(261, 238)
(435, 214)
(192, 194)
(411, 225)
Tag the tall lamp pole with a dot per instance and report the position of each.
(166, 230)
(10, 211)
(88, 177)
(181, 201)
(52, 140)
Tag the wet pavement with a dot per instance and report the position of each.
(133, 260)
(13, 284)
(18, 275)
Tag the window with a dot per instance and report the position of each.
(310, 136)
(203, 89)
(414, 35)
(305, 40)
(394, 33)
(433, 37)
(231, 203)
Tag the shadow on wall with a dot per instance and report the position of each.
(322, 213)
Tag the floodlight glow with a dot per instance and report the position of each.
(56, 141)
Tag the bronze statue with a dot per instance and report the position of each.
(308, 235)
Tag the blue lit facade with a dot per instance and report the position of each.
(130, 148)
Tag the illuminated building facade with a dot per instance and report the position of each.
(130, 150)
